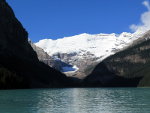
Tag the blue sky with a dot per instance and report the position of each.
(61, 18)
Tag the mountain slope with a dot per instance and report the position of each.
(84, 51)
(45, 58)
(19, 65)
(130, 66)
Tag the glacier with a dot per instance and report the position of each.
(101, 45)
(85, 51)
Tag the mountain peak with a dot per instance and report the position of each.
(97, 44)
(85, 50)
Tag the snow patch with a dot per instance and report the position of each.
(69, 69)
(97, 44)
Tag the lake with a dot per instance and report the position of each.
(76, 100)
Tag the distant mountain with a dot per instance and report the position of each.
(130, 67)
(45, 58)
(120, 60)
(83, 52)
(19, 65)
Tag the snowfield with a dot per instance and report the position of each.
(100, 45)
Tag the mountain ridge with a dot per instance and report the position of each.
(19, 64)
(131, 63)
(83, 50)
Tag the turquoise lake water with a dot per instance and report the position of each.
(76, 100)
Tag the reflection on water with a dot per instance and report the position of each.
(78, 100)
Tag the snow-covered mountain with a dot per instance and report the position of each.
(82, 52)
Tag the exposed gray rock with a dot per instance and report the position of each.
(85, 63)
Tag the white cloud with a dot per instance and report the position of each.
(146, 3)
(145, 20)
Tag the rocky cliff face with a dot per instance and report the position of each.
(66, 62)
(41, 54)
(129, 67)
(45, 58)
(19, 65)
(79, 66)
